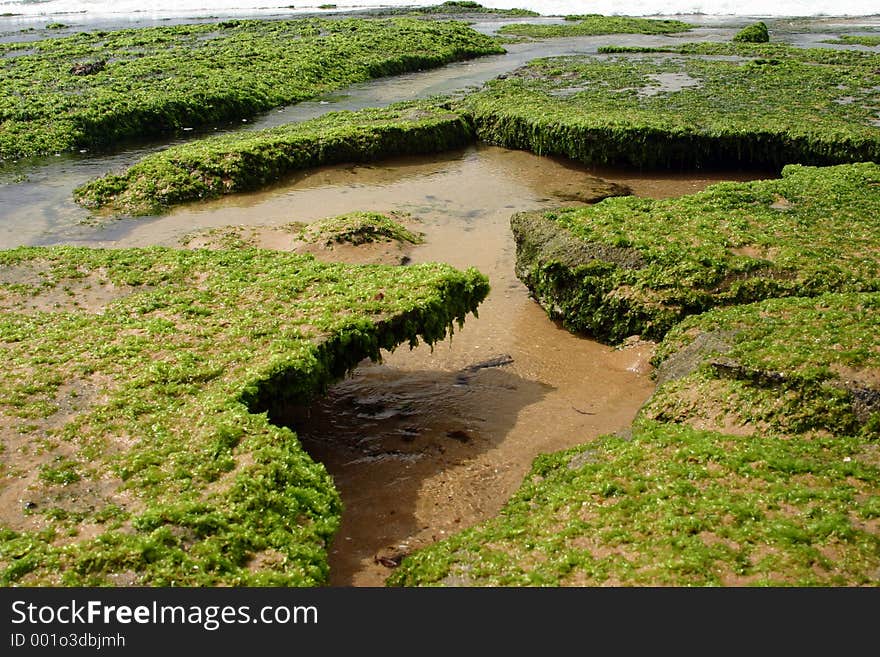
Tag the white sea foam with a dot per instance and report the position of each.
(756, 8)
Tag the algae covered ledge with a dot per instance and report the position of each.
(98, 89)
(137, 391)
(700, 105)
(631, 265)
(244, 161)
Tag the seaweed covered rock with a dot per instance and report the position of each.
(466, 7)
(136, 397)
(631, 265)
(754, 33)
(245, 161)
(764, 106)
(671, 505)
(780, 366)
(185, 76)
(596, 24)
(358, 228)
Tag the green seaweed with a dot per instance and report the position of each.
(137, 391)
(163, 79)
(785, 106)
(754, 33)
(765, 52)
(456, 7)
(594, 25)
(358, 228)
(631, 265)
(670, 505)
(872, 41)
(237, 162)
(791, 365)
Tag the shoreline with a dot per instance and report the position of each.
(26, 24)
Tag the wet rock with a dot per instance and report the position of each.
(389, 557)
(88, 69)
(688, 359)
(732, 369)
(464, 376)
(865, 400)
(574, 280)
(583, 458)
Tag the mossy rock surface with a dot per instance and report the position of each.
(164, 79)
(758, 106)
(463, 8)
(359, 228)
(136, 393)
(754, 33)
(670, 505)
(786, 366)
(594, 25)
(631, 265)
(869, 40)
(226, 164)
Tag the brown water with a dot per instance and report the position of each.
(420, 445)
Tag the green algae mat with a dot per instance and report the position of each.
(455, 8)
(783, 365)
(697, 105)
(595, 25)
(859, 40)
(136, 392)
(703, 491)
(92, 90)
(631, 265)
(244, 161)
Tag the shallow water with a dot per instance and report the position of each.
(36, 204)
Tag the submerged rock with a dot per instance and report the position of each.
(88, 69)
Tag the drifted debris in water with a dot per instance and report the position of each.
(88, 69)
(496, 361)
